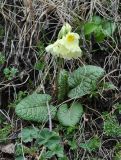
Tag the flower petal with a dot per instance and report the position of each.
(66, 47)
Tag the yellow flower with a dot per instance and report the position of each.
(55, 49)
(67, 44)
(67, 47)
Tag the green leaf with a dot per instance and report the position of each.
(6, 71)
(92, 144)
(111, 126)
(2, 119)
(63, 158)
(109, 28)
(19, 158)
(41, 48)
(99, 34)
(62, 85)
(2, 58)
(48, 154)
(89, 28)
(28, 134)
(20, 149)
(117, 155)
(4, 132)
(84, 80)
(97, 20)
(34, 108)
(117, 151)
(70, 116)
(39, 65)
(48, 138)
(73, 144)
(100, 28)
(57, 150)
(118, 106)
(108, 86)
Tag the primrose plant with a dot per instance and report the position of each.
(81, 82)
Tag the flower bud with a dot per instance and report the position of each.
(64, 30)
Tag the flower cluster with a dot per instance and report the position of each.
(67, 44)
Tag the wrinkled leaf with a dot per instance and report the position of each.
(57, 150)
(48, 138)
(34, 108)
(28, 134)
(83, 80)
(62, 85)
(70, 116)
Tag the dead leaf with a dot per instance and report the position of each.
(9, 148)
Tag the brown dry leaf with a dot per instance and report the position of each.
(9, 148)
